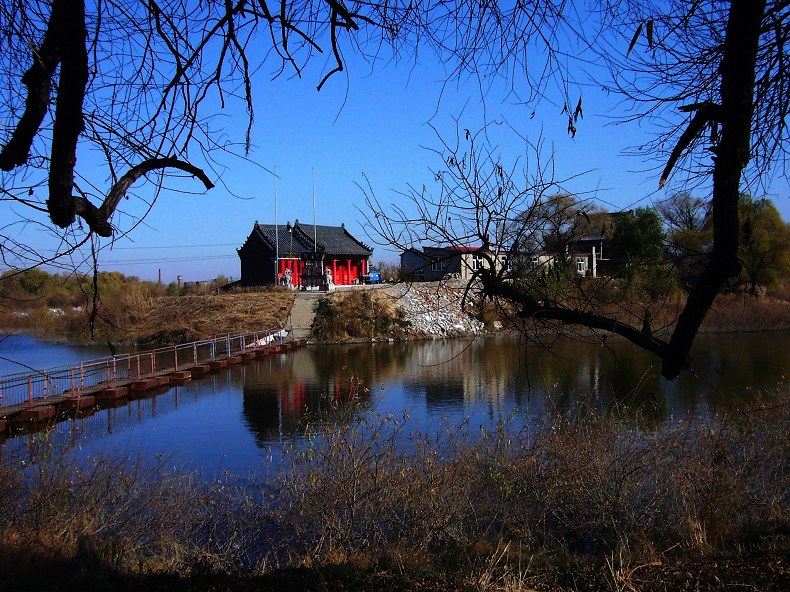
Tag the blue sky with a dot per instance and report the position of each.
(375, 122)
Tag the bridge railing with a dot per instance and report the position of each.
(26, 387)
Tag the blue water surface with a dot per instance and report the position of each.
(241, 419)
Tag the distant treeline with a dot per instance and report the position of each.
(34, 288)
(83, 307)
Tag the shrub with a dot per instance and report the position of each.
(588, 501)
(360, 314)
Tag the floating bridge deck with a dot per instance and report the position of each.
(30, 399)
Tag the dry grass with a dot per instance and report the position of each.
(359, 314)
(594, 505)
(189, 318)
(742, 312)
(134, 317)
(730, 313)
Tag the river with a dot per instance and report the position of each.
(239, 419)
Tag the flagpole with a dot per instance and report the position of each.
(315, 233)
(276, 234)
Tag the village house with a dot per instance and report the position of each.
(590, 249)
(306, 255)
(436, 263)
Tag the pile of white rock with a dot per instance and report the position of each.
(434, 309)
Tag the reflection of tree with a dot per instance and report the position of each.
(276, 412)
(437, 371)
(489, 376)
(365, 363)
(260, 408)
(443, 394)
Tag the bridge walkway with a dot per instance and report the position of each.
(40, 396)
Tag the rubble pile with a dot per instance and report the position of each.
(434, 309)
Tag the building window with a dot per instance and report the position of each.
(581, 265)
(477, 262)
(534, 262)
(437, 264)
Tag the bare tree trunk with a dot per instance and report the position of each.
(737, 72)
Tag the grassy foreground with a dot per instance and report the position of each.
(371, 505)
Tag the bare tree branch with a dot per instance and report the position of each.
(38, 80)
(68, 123)
(98, 219)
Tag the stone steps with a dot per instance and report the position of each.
(302, 313)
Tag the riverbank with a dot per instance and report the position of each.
(436, 310)
(593, 504)
(133, 319)
(431, 310)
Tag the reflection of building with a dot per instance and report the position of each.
(283, 397)
(296, 248)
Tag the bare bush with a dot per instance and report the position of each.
(595, 499)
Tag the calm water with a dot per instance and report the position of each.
(18, 353)
(238, 419)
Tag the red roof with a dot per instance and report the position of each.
(462, 248)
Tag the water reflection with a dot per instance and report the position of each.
(488, 376)
(283, 395)
(243, 414)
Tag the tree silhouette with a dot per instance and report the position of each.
(721, 63)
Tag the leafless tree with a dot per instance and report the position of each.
(139, 85)
(723, 64)
(689, 233)
(111, 101)
(524, 224)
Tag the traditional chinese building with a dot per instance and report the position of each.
(306, 251)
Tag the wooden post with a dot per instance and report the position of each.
(175, 357)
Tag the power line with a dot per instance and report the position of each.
(108, 262)
(156, 247)
(175, 247)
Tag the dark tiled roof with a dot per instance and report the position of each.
(453, 249)
(268, 234)
(335, 240)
